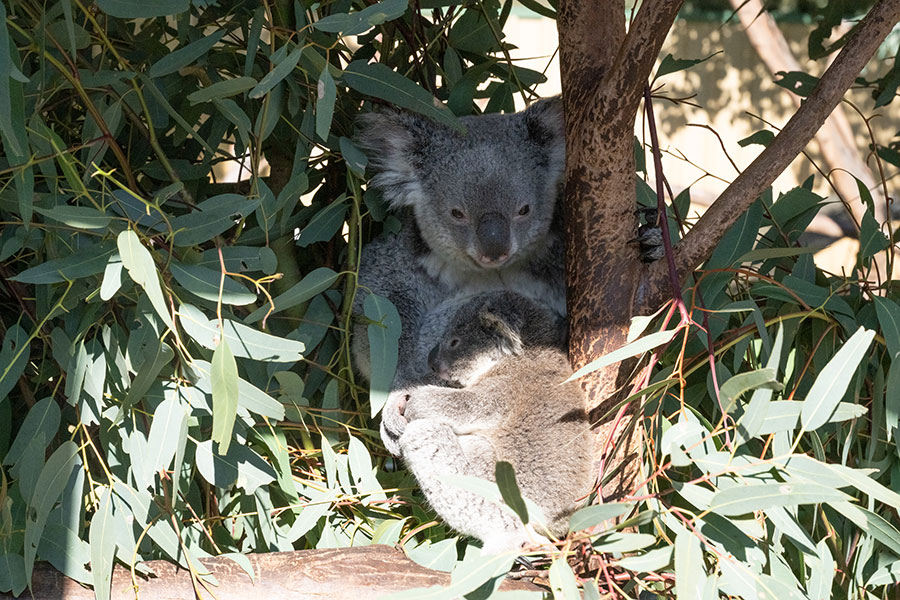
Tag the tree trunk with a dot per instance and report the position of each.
(604, 71)
(334, 574)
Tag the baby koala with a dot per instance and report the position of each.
(506, 352)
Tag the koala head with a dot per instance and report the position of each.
(482, 199)
(483, 332)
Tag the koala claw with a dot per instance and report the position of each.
(651, 243)
(650, 235)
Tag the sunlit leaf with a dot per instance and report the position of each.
(829, 387)
(224, 377)
(384, 337)
(742, 499)
(243, 341)
(142, 270)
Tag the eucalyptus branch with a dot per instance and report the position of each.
(699, 243)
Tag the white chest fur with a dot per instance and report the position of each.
(516, 278)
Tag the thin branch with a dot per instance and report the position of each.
(699, 243)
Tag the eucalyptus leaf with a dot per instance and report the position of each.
(170, 63)
(102, 538)
(84, 263)
(137, 9)
(274, 77)
(80, 217)
(14, 355)
(243, 341)
(222, 89)
(210, 285)
(140, 266)
(50, 485)
(241, 466)
(211, 218)
(384, 338)
(380, 81)
(742, 499)
(314, 283)
(828, 389)
(224, 377)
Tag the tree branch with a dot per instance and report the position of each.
(639, 53)
(699, 243)
(362, 572)
(835, 138)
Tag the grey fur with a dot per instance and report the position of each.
(489, 174)
(518, 410)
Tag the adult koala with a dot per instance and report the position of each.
(479, 214)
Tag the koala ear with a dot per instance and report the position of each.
(545, 122)
(390, 141)
(507, 337)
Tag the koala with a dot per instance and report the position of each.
(502, 324)
(478, 212)
(514, 407)
(540, 325)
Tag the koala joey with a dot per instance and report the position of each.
(505, 351)
(494, 325)
(479, 214)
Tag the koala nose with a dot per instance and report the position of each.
(493, 238)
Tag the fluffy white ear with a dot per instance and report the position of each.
(389, 139)
(508, 338)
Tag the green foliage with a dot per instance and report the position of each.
(174, 370)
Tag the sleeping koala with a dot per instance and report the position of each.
(479, 214)
(538, 326)
(505, 350)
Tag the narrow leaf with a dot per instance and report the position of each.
(243, 341)
(225, 395)
(743, 499)
(50, 484)
(380, 81)
(142, 270)
(314, 283)
(182, 57)
(589, 516)
(384, 339)
(505, 476)
(102, 538)
(829, 387)
(274, 77)
(635, 348)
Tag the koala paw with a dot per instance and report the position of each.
(650, 235)
(393, 421)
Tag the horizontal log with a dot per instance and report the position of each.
(360, 573)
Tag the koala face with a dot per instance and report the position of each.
(482, 199)
(475, 341)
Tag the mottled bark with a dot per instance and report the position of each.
(334, 574)
(603, 74)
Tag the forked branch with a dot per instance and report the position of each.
(639, 52)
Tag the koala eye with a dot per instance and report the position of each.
(454, 342)
(457, 214)
(524, 210)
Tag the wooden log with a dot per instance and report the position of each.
(361, 573)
